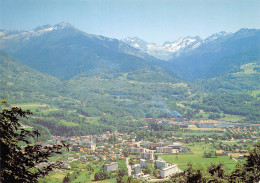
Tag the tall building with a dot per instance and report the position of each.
(110, 167)
(161, 164)
(168, 171)
(147, 155)
(166, 150)
(134, 150)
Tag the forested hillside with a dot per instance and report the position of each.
(86, 84)
(22, 83)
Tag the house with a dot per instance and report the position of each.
(241, 157)
(176, 145)
(220, 153)
(70, 159)
(111, 155)
(175, 151)
(66, 166)
(76, 147)
(103, 158)
(143, 162)
(179, 146)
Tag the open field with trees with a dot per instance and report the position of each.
(196, 157)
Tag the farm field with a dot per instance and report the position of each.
(195, 128)
(29, 105)
(195, 132)
(196, 157)
(230, 142)
(36, 107)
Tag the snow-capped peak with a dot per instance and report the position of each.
(218, 35)
(63, 25)
(181, 43)
(25, 35)
(44, 28)
(167, 50)
(136, 43)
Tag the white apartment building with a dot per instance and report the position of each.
(168, 171)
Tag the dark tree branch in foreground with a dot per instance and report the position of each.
(18, 164)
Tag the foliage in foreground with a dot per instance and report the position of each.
(17, 163)
(249, 172)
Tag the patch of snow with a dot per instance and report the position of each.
(136, 45)
(168, 49)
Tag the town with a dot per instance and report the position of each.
(109, 155)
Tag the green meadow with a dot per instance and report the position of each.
(196, 157)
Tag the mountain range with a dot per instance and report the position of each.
(117, 82)
(216, 57)
(166, 51)
(170, 50)
(193, 58)
(64, 52)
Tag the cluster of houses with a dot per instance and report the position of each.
(85, 148)
(168, 148)
(147, 156)
(166, 169)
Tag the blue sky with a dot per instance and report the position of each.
(152, 20)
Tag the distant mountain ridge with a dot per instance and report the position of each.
(170, 50)
(166, 51)
(63, 51)
(193, 58)
(218, 56)
(22, 35)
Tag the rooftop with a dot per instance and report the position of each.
(170, 167)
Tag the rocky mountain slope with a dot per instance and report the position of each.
(63, 51)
